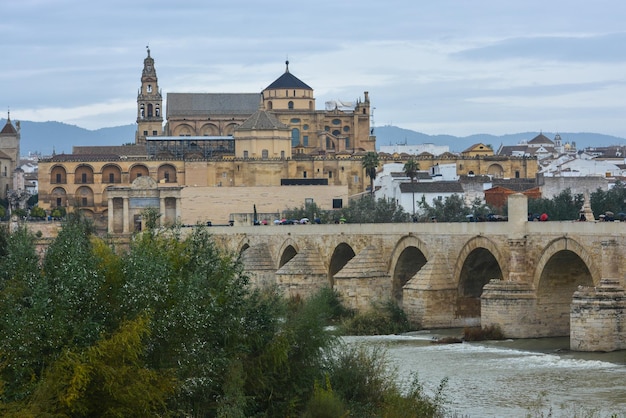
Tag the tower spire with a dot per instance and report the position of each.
(149, 103)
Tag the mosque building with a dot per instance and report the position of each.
(215, 156)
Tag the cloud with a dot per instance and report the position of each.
(607, 48)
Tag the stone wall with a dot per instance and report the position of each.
(597, 318)
(217, 204)
(553, 186)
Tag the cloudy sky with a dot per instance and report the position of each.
(455, 67)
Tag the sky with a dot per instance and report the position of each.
(456, 67)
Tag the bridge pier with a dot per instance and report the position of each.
(303, 275)
(511, 306)
(363, 280)
(429, 298)
(597, 320)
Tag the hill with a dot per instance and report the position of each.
(48, 137)
(392, 135)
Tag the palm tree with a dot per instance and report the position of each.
(411, 167)
(370, 162)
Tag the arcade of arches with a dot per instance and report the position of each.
(531, 279)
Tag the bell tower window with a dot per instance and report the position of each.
(149, 88)
(150, 110)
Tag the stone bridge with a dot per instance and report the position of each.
(532, 279)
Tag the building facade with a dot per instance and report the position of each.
(274, 138)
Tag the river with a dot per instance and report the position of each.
(510, 378)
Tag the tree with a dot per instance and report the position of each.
(411, 167)
(612, 200)
(367, 209)
(451, 209)
(109, 378)
(37, 212)
(370, 162)
(309, 210)
(562, 207)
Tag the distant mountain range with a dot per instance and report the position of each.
(47, 137)
(392, 135)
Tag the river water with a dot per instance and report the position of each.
(510, 378)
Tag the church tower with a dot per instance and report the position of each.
(9, 155)
(149, 104)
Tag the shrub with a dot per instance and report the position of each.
(492, 332)
(325, 403)
(363, 378)
(381, 319)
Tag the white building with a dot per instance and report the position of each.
(439, 183)
(577, 167)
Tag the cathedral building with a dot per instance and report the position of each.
(216, 156)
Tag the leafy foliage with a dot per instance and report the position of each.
(452, 209)
(363, 378)
(367, 209)
(612, 200)
(309, 210)
(370, 162)
(37, 212)
(107, 379)
(168, 327)
(381, 319)
(562, 207)
(411, 167)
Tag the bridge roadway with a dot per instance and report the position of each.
(519, 275)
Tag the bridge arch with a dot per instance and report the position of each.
(342, 254)
(478, 262)
(287, 251)
(563, 266)
(566, 244)
(407, 258)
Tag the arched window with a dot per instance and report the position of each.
(290, 105)
(58, 175)
(111, 174)
(83, 175)
(138, 170)
(150, 110)
(269, 105)
(167, 173)
(295, 137)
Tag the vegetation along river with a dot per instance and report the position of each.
(510, 378)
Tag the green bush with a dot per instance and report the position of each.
(380, 319)
(363, 378)
(492, 332)
(325, 403)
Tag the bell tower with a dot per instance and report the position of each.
(149, 103)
